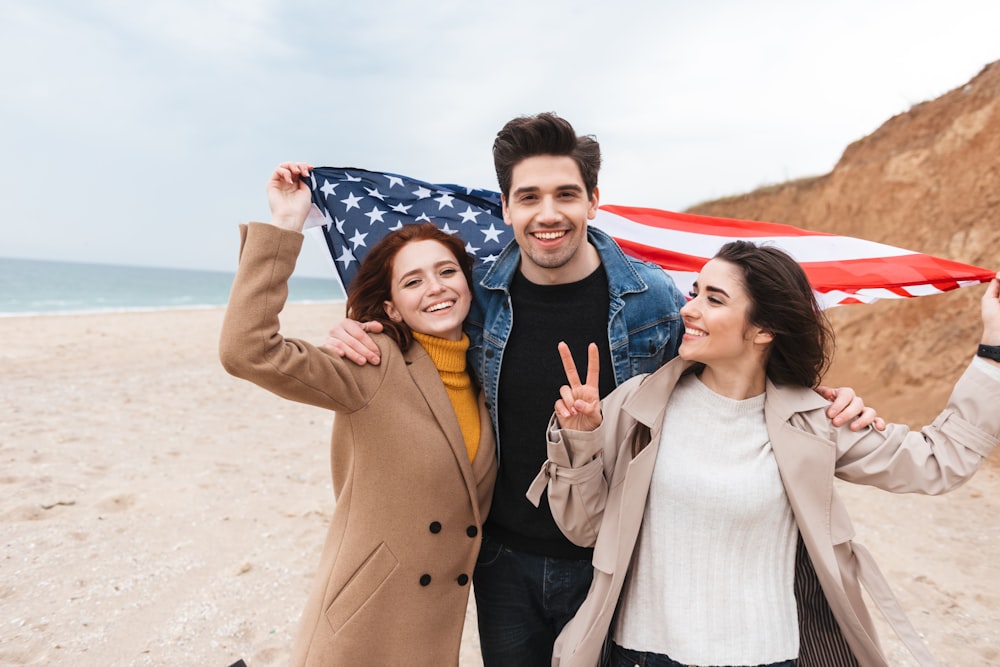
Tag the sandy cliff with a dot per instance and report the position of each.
(927, 180)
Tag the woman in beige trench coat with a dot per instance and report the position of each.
(754, 341)
(412, 452)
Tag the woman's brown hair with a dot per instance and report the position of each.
(783, 304)
(371, 287)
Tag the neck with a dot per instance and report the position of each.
(584, 262)
(737, 384)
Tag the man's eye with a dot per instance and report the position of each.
(692, 294)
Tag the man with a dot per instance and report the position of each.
(560, 280)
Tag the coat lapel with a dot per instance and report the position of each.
(427, 379)
(630, 483)
(806, 463)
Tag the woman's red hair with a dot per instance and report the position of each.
(371, 287)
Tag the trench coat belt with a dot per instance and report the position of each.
(878, 588)
(551, 470)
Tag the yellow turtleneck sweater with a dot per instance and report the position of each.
(449, 359)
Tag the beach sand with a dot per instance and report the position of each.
(156, 511)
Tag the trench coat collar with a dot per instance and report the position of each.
(648, 404)
(428, 380)
(805, 461)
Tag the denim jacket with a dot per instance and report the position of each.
(642, 337)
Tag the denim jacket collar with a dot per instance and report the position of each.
(622, 276)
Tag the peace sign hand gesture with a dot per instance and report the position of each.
(579, 407)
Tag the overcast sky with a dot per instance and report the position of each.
(143, 132)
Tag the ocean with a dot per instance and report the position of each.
(35, 287)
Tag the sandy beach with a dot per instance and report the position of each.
(156, 511)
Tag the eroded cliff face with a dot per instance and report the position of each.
(927, 180)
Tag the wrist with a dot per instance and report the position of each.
(291, 223)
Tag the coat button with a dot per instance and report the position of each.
(435, 527)
(471, 531)
(489, 354)
(425, 580)
(463, 579)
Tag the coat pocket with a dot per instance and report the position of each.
(361, 587)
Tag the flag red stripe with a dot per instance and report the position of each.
(845, 275)
(703, 224)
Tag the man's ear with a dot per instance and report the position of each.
(503, 207)
(391, 311)
(595, 201)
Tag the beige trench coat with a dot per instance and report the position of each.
(597, 491)
(395, 573)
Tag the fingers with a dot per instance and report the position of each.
(867, 418)
(593, 365)
(844, 410)
(575, 413)
(841, 398)
(846, 406)
(563, 407)
(829, 393)
(290, 171)
(568, 365)
(349, 339)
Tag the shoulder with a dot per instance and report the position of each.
(629, 275)
(800, 407)
(388, 347)
(654, 275)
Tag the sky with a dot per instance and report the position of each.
(143, 133)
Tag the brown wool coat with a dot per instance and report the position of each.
(597, 487)
(395, 573)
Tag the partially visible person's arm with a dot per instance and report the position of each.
(251, 345)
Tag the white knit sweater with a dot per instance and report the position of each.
(712, 582)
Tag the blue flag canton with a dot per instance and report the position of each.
(360, 207)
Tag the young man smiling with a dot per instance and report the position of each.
(559, 281)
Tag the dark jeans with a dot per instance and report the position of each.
(623, 657)
(523, 601)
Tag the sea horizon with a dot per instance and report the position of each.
(30, 287)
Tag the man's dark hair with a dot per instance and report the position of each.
(544, 134)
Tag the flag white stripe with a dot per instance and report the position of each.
(685, 280)
(802, 248)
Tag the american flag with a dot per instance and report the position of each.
(354, 208)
